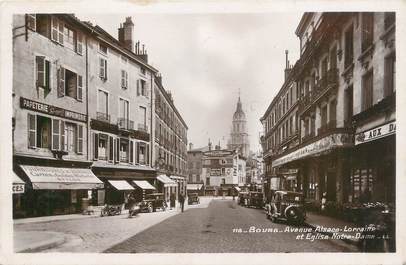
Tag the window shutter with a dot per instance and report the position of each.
(79, 43)
(79, 93)
(31, 21)
(138, 87)
(32, 131)
(64, 143)
(131, 150)
(47, 75)
(147, 155)
(56, 134)
(61, 82)
(137, 152)
(54, 29)
(79, 130)
(126, 79)
(95, 146)
(111, 149)
(105, 69)
(40, 63)
(122, 78)
(60, 33)
(117, 150)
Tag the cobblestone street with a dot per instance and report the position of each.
(211, 230)
(99, 233)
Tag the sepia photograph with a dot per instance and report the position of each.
(207, 132)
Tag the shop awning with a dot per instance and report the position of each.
(18, 184)
(143, 184)
(166, 181)
(194, 186)
(237, 188)
(56, 178)
(121, 184)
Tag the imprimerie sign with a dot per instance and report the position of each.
(51, 110)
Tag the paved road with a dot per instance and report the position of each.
(211, 230)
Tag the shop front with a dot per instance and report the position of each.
(18, 189)
(167, 186)
(55, 190)
(373, 173)
(118, 192)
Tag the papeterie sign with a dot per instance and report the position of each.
(376, 133)
(51, 110)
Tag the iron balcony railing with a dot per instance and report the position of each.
(125, 124)
(142, 127)
(329, 80)
(102, 116)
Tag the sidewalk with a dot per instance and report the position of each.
(35, 241)
(335, 228)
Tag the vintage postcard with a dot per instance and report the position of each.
(226, 133)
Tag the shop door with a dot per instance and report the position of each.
(331, 186)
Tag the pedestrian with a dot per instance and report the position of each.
(172, 200)
(182, 201)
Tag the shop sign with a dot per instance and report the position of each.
(275, 183)
(322, 145)
(18, 188)
(218, 153)
(55, 174)
(51, 110)
(376, 133)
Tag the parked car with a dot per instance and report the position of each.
(243, 198)
(193, 198)
(256, 199)
(152, 202)
(287, 205)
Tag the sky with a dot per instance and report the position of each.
(206, 59)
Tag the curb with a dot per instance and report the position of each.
(346, 240)
(43, 246)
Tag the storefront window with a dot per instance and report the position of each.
(362, 183)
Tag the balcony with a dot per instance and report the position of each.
(307, 137)
(125, 124)
(142, 127)
(330, 80)
(100, 116)
(327, 127)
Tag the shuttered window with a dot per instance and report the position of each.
(64, 141)
(95, 146)
(367, 30)
(111, 149)
(103, 68)
(367, 90)
(79, 146)
(349, 46)
(131, 151)
(389, 76)
(61, 82)
(79, 43)
(56, 131)
(32, 131)
(79, 93)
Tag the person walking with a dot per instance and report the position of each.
(182, 201)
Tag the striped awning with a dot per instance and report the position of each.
(166, 181)
(143, 184)
(121, 184)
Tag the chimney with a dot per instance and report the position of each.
(287, 66)
(158, 78)
(190, 146)
(209, 145)
(125, 34)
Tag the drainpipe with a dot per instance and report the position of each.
(87, 102)
(151, 148)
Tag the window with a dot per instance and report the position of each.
(348, 111)
(103, 68)
(31, 21)
(312, 124)
(390, 75)
(69, 143)
(349, 46)
(57, 30)
(143, 70)
(143, 112)
(324, 67)
(124, 150)
(69, 38)
(79, 43)
(103, 105)
(102, 49)
(333, 114)
(367, 90)
(324, 116)
(102, 147)
(43, 132)
(42, 72)
(333, 58)
(141, 155)
(223, 171)
(70, 84)
(124, 79)
(367, 30)
(141, 88)
(124, 108)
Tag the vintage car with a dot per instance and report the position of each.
(152, 202)
(256, 199)
(193, 198)
(287, 205)
(243, 198)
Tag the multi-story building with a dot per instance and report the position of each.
(50, 114)
(194, 163)
(120, 99)
(223, 169)
(281, 133)
(239, 132)
(346, 81)
(170, 144)
(84, 116)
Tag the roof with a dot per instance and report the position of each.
(239, 113)
(200, 149)
(303, 22)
